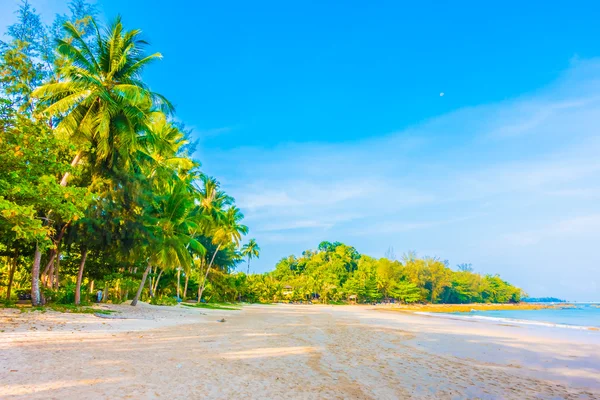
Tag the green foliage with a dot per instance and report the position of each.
(97, 181)
(406, 292)
(8, 304)
(63, 295)
(337, 272)
(163, 301)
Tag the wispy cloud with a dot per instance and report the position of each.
(581, 225)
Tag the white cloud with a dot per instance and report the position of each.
(576, 226)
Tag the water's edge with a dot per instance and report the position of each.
(507, 320)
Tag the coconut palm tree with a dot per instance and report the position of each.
(228, 229)
(212, 199)
(99, 100)
(170, 224)
(250, 250)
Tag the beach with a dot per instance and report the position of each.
(289, 351)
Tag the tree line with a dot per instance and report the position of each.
(99, 188)
(337, 272)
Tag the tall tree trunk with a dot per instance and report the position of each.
(65, 178)
(142, 283)
(11, 274)
(35, 277)
(151, 283)
(248, 273)
(45, 274)
(199, 275)
(187, 278)
(53, 253)
(56, 268)
(91, 286)
(207, 271)
(178, 281)
(156, 283)
(105, 292)
(50, 276)
(118, 290)
(80, 277)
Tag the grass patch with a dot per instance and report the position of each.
(33, 309)
(67, 308)
(214, 306)
(8, 304)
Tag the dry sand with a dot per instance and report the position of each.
(289, 351)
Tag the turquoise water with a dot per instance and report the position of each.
(581, 315)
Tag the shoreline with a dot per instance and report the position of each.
(449, 308)
(465, 312)
(509, 320)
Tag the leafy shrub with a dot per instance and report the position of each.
(163, 301)
(64, 295)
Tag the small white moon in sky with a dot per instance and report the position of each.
(442, 94)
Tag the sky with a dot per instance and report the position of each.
(326, 121)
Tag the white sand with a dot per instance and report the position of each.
(285, 351)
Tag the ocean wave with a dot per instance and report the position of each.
(507, 320)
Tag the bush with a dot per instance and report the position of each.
(9, 304)
(64, 295)
(163, 301)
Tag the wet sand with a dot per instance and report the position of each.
(289, 351)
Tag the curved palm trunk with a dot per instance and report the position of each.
(139, 291)
(187, 278)
(156, 283)
(35, 277)
(45, 277)
(206, 274)
(151, 282)
(80, 277)
(65, 178)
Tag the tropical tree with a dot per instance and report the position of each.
(227, 230)
(170, 224)
(99, 100)
(250, 250)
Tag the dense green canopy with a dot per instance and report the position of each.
(337, 272)
(99, 188)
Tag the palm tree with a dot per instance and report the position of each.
(212, 199)
(251, 250)
(99, 100)
(170, 224)
(227, 230)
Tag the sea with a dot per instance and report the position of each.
(574, 316)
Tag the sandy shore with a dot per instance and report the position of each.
(289, 351)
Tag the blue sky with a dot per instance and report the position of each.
(325, 121)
